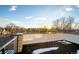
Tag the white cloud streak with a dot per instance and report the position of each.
(68, 9)
(35, 18)
(28, 17)
(40, 18)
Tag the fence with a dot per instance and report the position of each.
(11, 44)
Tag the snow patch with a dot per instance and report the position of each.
(41, 50)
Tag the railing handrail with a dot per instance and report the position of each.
(6, 44)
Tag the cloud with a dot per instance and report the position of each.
(40, 18)
(68, 9)
(13, 8)
(4, 22)
(28, 17)
(35, 18)
(18, 23)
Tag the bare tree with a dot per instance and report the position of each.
(64, 23)
(70, 21)
(11, 28)
(56, 24)
(1, 30)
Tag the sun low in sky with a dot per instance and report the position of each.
(36, 15)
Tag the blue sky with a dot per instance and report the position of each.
(35, 15)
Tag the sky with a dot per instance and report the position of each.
(36, 15)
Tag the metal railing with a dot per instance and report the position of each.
(10, 44)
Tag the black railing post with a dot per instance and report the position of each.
(17, 42)
(3, 51)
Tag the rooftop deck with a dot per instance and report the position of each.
(40, 41)
(46, 44)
